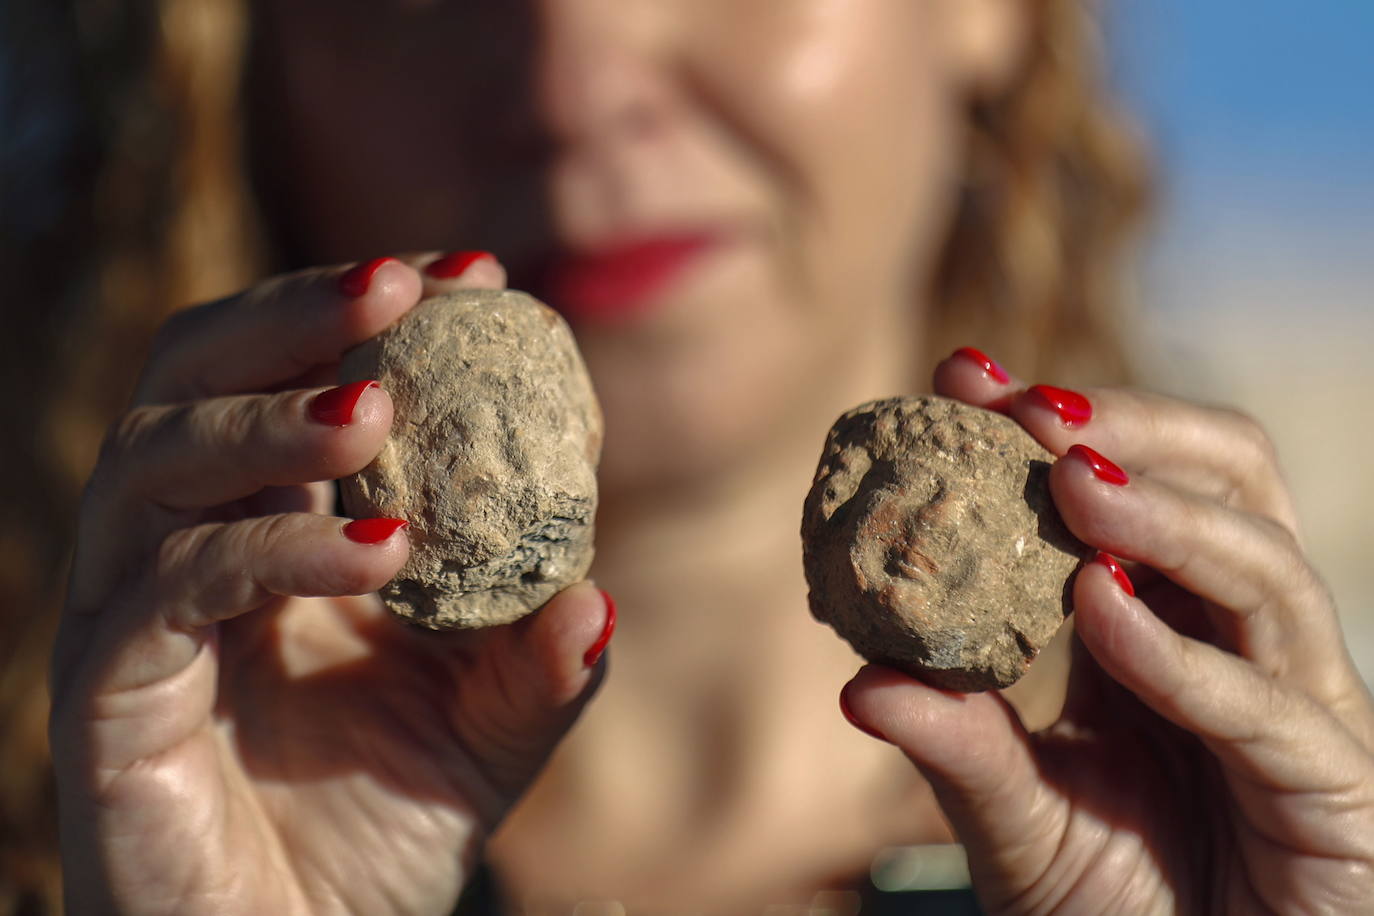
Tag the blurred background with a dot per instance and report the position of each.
(1258, 286)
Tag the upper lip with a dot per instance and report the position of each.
(609, 247)
(618, 274)
(624, 241)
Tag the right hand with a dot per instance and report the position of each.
(1215, 751)
(224, 743)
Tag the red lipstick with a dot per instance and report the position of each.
(624, 279)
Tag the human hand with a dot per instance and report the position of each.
(1215, 753)
(224, 743)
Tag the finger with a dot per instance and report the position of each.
(1218, 453)
(1287, 759)
(439, 273)
(527, 683)
(971, 376)
(1267, 602)
(455, 270)
(1215, 451)
(209, 452)
(214, 572)
(277, 331)
(978, 759)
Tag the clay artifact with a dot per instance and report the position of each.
(931, 544)
(492, 456)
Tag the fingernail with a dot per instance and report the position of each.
(335, 406)
(593, 655)
(849, 717)
(356, 280)
(985, 362)
(455, 263)
(1117, 572)
(373, 530)
(1102, 468)
(1072, 407)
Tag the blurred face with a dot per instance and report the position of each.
(734, 202)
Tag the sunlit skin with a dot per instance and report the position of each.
(224, 746)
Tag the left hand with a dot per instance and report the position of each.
(1215, 752)
(239, 726)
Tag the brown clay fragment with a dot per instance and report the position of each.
(491, 458)
(931, 544)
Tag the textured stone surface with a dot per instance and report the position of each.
(492, 457)
(931, 544)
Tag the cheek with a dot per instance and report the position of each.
(851, 114)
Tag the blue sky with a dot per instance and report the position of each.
(1259, 291)
(1274, 78)
(1261, 114)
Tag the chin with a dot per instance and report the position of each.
(656, 453)
(691, 430)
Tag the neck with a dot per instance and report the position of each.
(718, 677)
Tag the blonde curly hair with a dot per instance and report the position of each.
(161, 214)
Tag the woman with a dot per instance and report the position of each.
(755, 216)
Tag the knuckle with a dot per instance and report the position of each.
(1282, 538)
(181, 557)
(184, 548)
(1277, 703)
(1177, 554)
(1154, 416)
(267, 534)
(235, 422)
(1270, 710)
(167, 364)
(175, 331)
(1290, 564)
(126, 433)
(124, 450)
(205, 569)
(228, 426)
(1189, 668)
(1256, 449)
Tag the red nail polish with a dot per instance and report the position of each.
(1072, 407)
(1102, 468)
(1117, 572)
(373, 530)
(593, 655)
(849, 717)
(987, 364)
(356, 280)
(335, 406)
(453, 264)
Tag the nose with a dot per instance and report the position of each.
(600, 77)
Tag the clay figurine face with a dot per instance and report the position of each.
(932, 545)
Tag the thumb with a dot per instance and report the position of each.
(980, 762)
(523, 685)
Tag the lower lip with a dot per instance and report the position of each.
(624, 281)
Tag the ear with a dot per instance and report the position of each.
(987, 41)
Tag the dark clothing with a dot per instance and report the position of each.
(483, 898)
